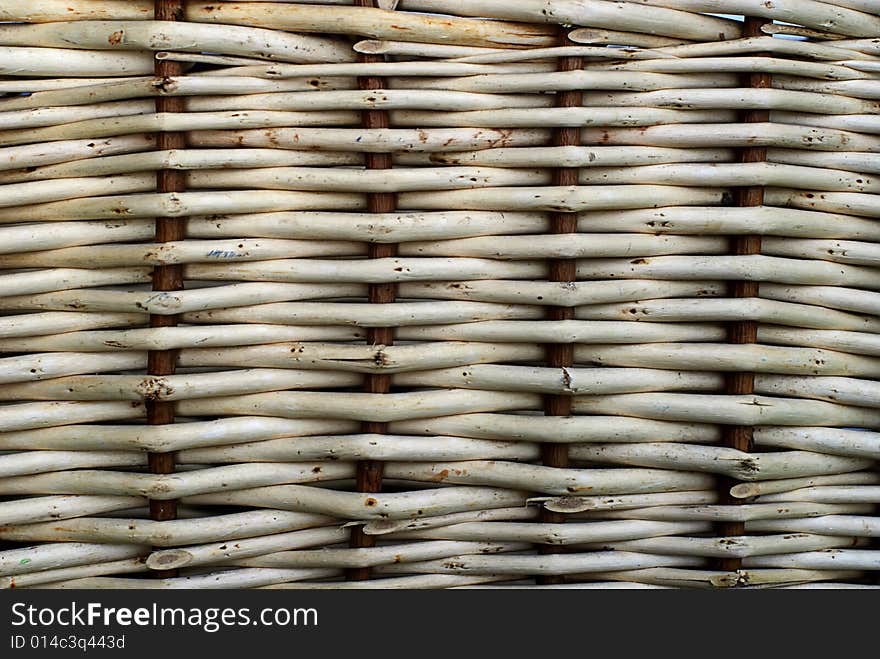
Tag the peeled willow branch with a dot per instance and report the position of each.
(172, 35)
(175, 486)
(740, 546)
(61, 62)
(592, 13)
(555, 564)
(820, 15)
(44, 509)
(380, 506)
(223, 579)
(746, 490)
(65, 554)
(718, 460)
(743, 512)
(374, 556)
(31, 579)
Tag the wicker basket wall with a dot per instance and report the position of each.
(354, 294)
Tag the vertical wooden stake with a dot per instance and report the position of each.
(166, 277)
(746, 331)
(369, 472)
(561, 355)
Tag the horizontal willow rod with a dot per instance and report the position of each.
(373, 556)
(39, 117)
(563, 331)
(737, 546)
(63, 151)
(184, 337)
(64, 554)
(388, 526)
(730, 410)
(601, 36)
(163, 439)
(162, 486)
(569, 380)
(177, 387)
(743, 512)
(364, 22)
(572, 505)
(179, 205)
(555, 534)
(719, 460)
(390, 99)
(731, 358)
(770, 134)
(819, 15)
(746, 490)
(44, 415)
(245, 548)
(692, 578)
(549, 480)
(415, 582)
(551, 564)
(531, 54)
(183, 160)
(387, 407)
(35, 192)
(753, 45)
(368, 227)
(853, 342)
(360, 506)
(670, 64)
(730, 309)
(61, 62)
(375, 23)
(36, 366)
(755, 267)
(849, 391)
(839, 559)
(102, 91)
(574, 429)
(834, 441)
(44, 509)
(416, 49)
(174, 35)
(592, 13)
(400, 448)
(30, 238)
(828, 494)
(572, 156)
(185, 251)
(846, 525)
(374, 140)
(222, 552)
(590, 80)
(32, 579)
(43, 462)
(223, 579)
(170, 533)
(834, 297)
(211, 436)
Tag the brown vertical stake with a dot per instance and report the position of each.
(745, 331)
(166, 277)
(561, 355)
(369, 472)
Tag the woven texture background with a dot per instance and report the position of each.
(439, 293)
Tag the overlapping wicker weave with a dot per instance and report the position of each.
(439, 293)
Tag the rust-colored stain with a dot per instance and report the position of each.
(116, 38)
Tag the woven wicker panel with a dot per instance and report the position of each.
(360, 294)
